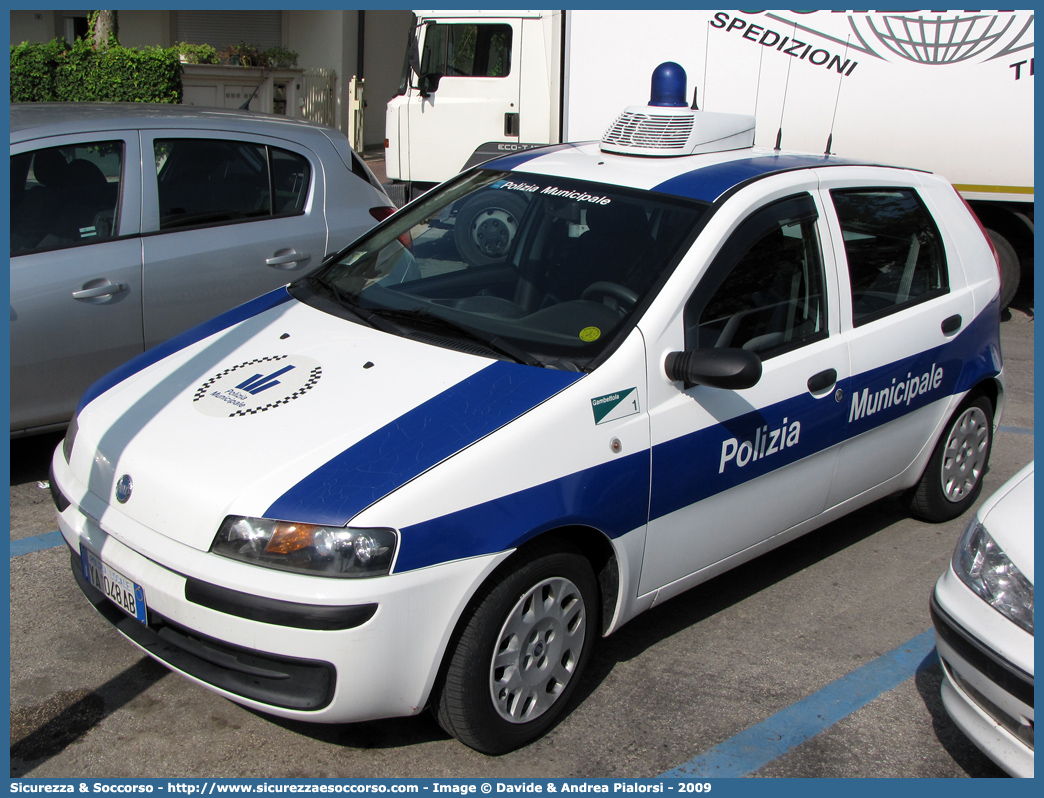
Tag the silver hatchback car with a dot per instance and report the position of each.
(133, 222)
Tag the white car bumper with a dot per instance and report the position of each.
(328, 650)
(986, 693)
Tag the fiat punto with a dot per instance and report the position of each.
(559, 389)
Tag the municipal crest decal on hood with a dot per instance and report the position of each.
(257, 385)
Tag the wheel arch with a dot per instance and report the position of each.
(587, 541)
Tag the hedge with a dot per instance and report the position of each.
(57, 72)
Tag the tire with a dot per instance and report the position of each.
(486, 226)
(1010, 268)
(952, 480)
(520, 651)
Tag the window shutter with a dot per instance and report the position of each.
(222, 28)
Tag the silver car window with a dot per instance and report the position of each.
(65, 196)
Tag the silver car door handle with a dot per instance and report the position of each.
(286, 258)
(108, 289)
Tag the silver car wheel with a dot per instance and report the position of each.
(964, 460)
(537, 650)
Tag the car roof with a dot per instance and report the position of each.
(35, 120)
(704, 177)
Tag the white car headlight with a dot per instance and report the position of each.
(985, 568)
(306, 548)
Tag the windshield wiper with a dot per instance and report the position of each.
(345, 300)
(495, 343)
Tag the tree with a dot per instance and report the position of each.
(105, 29)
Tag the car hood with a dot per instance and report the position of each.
(290, 413)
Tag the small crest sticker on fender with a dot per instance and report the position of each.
(257, 386)
(615, 405)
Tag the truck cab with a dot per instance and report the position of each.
(464, 97)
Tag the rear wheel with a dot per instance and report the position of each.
(520, 653)
(953, 478)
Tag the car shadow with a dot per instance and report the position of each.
(31, 457)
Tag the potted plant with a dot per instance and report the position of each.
(196, 53)
(242, 54)
(278, 58)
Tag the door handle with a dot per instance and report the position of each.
(511, 124)
(105, 289)
(822, 380)
(286, 259)
(952, 324)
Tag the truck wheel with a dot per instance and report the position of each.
(1010, 268)
(523, 645)
(953, 478)
(486, 226)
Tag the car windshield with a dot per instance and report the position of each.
(543, 270)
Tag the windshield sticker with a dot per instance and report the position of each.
(257, 385)
(590, 334)
(615, 405)
(553, 191)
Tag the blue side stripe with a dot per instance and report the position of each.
(418, 440)
(245, 311)
(681, 479)
(710, 182)
(615, 498)
(612, 497)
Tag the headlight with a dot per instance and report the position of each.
(305, 548)
(985, 568)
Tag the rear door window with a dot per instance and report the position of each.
(214, 181)
(894, 251)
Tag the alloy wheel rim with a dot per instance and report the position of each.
(964, 459)
(537, 650)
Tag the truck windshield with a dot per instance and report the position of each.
(545, 270)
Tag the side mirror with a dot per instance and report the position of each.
(727, 368)
(428, 83)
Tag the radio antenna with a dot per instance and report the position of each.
(706, 48)
(783, 108)
(837, 98)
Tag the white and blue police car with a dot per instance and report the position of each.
(552, 393)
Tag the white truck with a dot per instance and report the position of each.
(945, 91)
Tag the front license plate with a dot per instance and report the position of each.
(123, 592)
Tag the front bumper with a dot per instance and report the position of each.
(988, 695)
(303, 647)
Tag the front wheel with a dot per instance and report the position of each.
(953, 478)
(520, 653)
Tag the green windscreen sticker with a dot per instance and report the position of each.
(615, 405)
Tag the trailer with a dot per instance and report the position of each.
(949, 92)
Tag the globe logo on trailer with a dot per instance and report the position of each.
(257, 386)
(937, 39)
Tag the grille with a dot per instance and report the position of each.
(650, 131)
